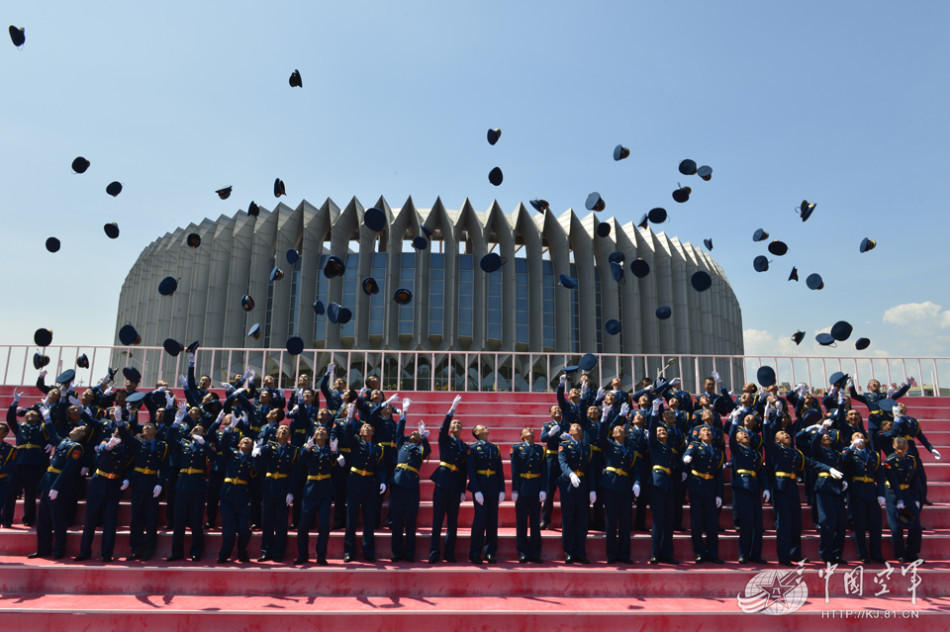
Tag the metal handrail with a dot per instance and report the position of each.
(516, 371)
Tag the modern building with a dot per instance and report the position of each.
(455, 306)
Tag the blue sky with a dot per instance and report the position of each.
(842, 103)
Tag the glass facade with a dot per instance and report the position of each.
(466, 293)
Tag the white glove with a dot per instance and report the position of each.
(191, 359)
(575, 480)
(405, 405)
(169, 399)
(882, 502)
(334, 444)
(309, 444)
(156, 491)
(542, 495)
(514, 496)
(563, 379)
(330, 368)
(462, 497)
(49, 448)
(382, 488)
(718, 502)
(73, 399)
(936, 455)
(844, 486)
(256, 451)
(636, 490)
(295, 410)
(53, 494)
(16, 397)
(565, 436)
(289, 499)
(716, 378)
(44, 411)
(676, 381)
(593, 497)
(455, 403)
(896, 411)
(183, 381)
(600, 393)
(501, 497)
(656, 405)
(911, 381)
(917, 502)
(857, 444)
(391, 399)
(684, 476)
(766, 496)
(248, 373)
(84, 471)
(646, 435)
(826, 423)
(112, 442)
(160, 389)
(423, 432)
(624, 409)
(43, 373)
(480, 498)
(835, 474)
(125, 485)
(900, 504)
(198, 439)
(725, 465)
(688, 459)
(341, 460)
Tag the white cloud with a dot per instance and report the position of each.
(759, 342)
(927, 315)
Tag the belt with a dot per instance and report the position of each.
(29, 446)
(277, 475)
(486, 472)
(596, 448)
(191, 470)
(235, 481)
(902, 486)
(703, 475)
(639, 455)
(53, 470)
(550, 452)
(361, 472)
(108, 475)
(862, 479)
(823, 474)
(146, 471)
(579, 472)
(300, 430)
(616, 470)
(909, 437)
(449, 466)
(344, 449)
(790, 475)
(749, 472)
(318, 477)
(663, 468)
(406, 466)
(3, 475)
(388, 444)
(529, 475)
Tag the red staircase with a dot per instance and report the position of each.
(58, 595)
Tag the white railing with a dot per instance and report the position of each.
(463, 370)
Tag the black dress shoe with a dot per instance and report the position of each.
(759, 560)
(347, 557)
(301, 560)
(34, 555)
(583, 560)
(716, 560)
(450, 558)
(107, 558)
(223, 560)
(787, 563)
(396, 558)
(433, 558)
(699, 559)
(522, 559)
(80, 558)
(536, 560)
(625, 560)
(369, 558)
(474, 560)
(741, 560)
(927, 502)
(195, 557)
(569, 559)
(264, 558)
(490, 559)
(322, 561)
(670, 560)
(244, 558)
(174, 558)
(879, 560)
(543, 526)
(654, 561)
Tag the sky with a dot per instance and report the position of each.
(845, 104)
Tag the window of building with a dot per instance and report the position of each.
(466, 289)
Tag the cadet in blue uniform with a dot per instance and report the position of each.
(616, 489)
(872, 399)
(280, 465)
(194, 455)
(665, 465)
(149, 470)
(909, 428)
(7, 472)
(865, 476)
(31, 459)
(380, 417)
(749, 489)
(55, 488)
(486, 481)
(333, 396)
(785, 466)
(102, 499)
(319, 460)
(903, 501)
(829, 496)
(551, 437)
(449, 479)
(577, 486)
(235, 499)
(404, 494)
(366, 482)
(705, 495)
(528, 490)
(591, 423)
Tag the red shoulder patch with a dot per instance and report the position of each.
(77, 454)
